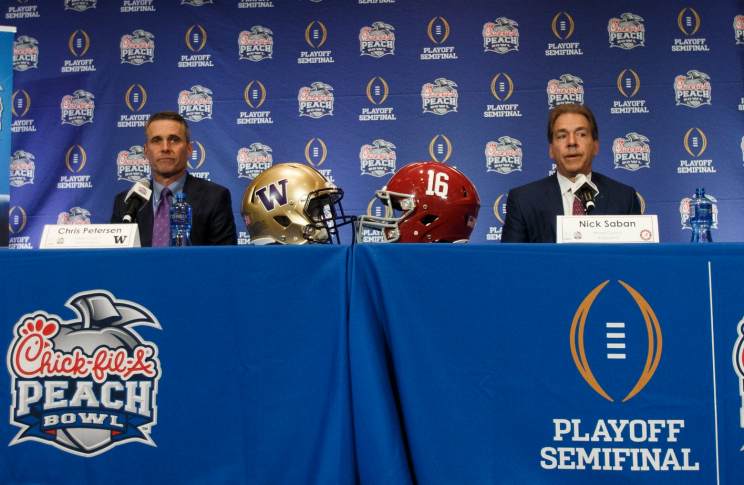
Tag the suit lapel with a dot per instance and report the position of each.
(602, 201)
(554, 202)
(145, 220)
(193, 193)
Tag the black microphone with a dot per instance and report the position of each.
(586, 191)
(138, 196)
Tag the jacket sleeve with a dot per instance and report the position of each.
(515, 228)
(222, 230)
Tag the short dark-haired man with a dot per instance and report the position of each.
(167, 148)
(531, 209)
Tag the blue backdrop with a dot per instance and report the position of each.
(467, 83)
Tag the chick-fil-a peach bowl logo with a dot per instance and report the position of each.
(88, 384)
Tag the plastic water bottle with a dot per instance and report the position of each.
(180, 221)
(701, 217)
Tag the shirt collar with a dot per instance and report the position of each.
(175, 187)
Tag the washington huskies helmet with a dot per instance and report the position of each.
(438, 204)
(292, 203)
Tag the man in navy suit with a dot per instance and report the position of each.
(531, 209)
(167, 148)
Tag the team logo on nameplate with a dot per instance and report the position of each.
(137, 48)
(132, 165)
(439, 98)
(88, 384)
(25, 53)
(692, 90)
(501, 36)
(378, 159)
(567, 89)
(80, 5)
(632, 152)
(77, 109)
(739, 29)
(378, 40)
(254, 160)
(627, 32)
(22, 168)
(195, 105)
(255, 45)
(316, 101)
(504, 156)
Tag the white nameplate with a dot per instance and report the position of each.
(607, 229)
(79, 236)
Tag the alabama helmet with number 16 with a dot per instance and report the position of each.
(436, 203)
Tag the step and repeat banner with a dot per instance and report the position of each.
(7, 35)
(360, 88)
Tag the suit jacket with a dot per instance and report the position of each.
(531, 209)
(212, 221)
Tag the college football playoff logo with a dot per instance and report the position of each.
(88, 384)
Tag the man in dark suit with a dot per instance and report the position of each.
(167, 148)
(531, 209)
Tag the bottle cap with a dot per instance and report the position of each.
(180, 196)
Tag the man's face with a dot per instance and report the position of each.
(166, 150)
(573, 147)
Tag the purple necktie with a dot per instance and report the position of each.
(161, 232)
(578, 208)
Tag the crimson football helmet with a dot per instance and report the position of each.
(292, 203)
(437, 204)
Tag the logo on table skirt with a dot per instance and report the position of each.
(88, 384)
(638, 338)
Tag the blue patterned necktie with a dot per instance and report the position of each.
(161, 232)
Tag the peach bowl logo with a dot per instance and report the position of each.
(255, 45)
(137, 48)
(627, 32)
(632, 153)
(22, 168)
(378, 40)
(78, 108)
(504, 156)
(567, 90)
(254, 160)
(501, 36)
(378, 159)
(439, 98)
(132, 165)
(684, 212)
(25, 53)
(88, 384)
(80, 5)
(739, 29)
(316, 101)
(195, 105)
(76, 217)
(615, 333)
(692, 90)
